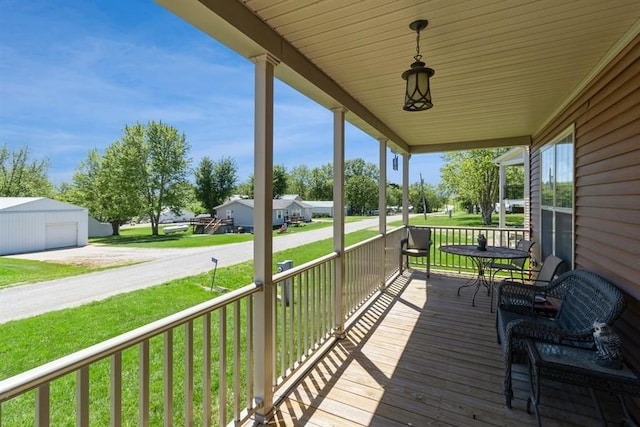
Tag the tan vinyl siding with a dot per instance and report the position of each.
(606, 117)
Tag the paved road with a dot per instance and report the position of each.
(19, 302)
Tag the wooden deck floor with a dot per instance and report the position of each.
(423, 356)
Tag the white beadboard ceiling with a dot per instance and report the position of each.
(502, 68)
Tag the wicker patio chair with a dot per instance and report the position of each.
(515, 265)
(585, 298)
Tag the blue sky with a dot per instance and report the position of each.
(73, 73)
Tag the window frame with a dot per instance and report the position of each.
(554, 209)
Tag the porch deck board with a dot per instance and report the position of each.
(419, 356)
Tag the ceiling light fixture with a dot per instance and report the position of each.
(418, 92)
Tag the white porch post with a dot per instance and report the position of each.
(382, 208)
(405, 189)
(382, 188)
(263, 329)
(527, 196)
(503, 182)
(338, 217)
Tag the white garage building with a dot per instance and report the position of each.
(32, 224)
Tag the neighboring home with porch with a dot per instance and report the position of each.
(241, 211)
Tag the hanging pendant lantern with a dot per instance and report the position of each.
(418, 91)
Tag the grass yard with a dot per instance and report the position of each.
(19, 271)
(461, 219)
(140, 236)
(28, 343)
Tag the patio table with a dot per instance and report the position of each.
(481, 259)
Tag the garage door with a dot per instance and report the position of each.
(62, 235)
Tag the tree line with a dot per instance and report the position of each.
(148, 170)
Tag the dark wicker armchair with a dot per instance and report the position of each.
(584, 298)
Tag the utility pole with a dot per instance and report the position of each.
(424, 199)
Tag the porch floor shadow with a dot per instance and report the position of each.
(421, 356)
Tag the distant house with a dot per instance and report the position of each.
(241, 210)
(320, 208)
(34, 224)
(167, 216)
(291, 197)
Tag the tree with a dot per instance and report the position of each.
(361, 194)
(394, 194)
(20, 177)
(473, 178)
(321, 183)
(215, 181)
(358, 167)
(162, 163)
(433, 199)
(279, 181)
(247, 188)
(298, 181)
(106, 186)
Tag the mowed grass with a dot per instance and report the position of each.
(20, 271)
(461, 219)
(140, 236)
(28, 343)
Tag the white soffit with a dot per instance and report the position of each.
(503, 68)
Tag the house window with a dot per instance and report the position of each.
(279, 214)
(556, 197)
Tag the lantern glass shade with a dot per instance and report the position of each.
(418, 93)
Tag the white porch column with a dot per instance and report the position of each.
(382, 209)
(338, 217)
(503, 182)
(405, 189)
(527, 195)
(382, 188)
(263, 328)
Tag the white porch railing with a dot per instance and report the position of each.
(163, 373)
(182, 369)
(467, 236)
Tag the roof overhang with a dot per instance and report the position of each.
(503, 69)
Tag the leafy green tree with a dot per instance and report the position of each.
(100, 185)
(394, 195)
(22, 177)
(361, 194)
(358, 167)
(473, 178)
(298, 181)
(247, 188)
(321, 183)
(215, 181)
(433, 199)
(279, 181)
(160, 154)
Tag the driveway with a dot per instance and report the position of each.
(155, 266)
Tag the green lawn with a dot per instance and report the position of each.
(461, 220)
(19, 271)
(61, 332)
(140, 236)
(28, 343)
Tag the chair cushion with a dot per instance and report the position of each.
(416, 252)
(419, 238)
